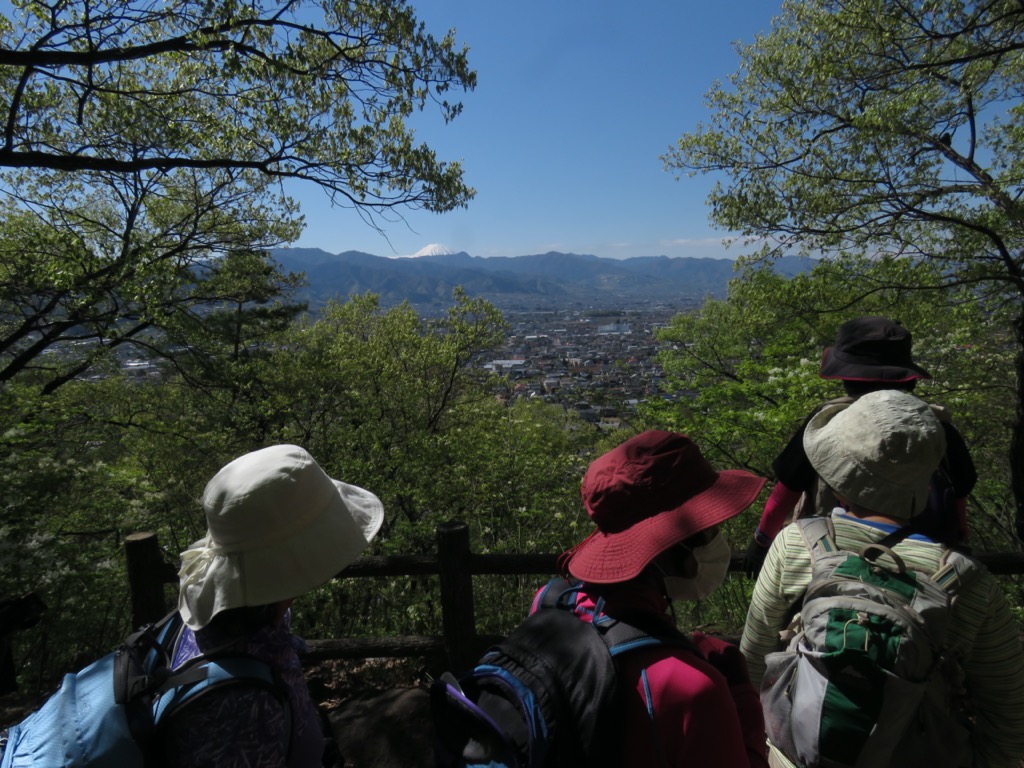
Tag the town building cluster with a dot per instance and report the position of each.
(600, 363)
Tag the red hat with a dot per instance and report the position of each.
(648, 494)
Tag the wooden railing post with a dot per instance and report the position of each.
(16, 614)
(147, 574)
(457, 612)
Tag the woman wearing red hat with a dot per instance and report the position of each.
(658, 504)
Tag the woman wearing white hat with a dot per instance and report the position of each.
(278, 527)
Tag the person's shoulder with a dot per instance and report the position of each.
(842, 400)
(974, 574)
(944, 414)
(791, 537)
(680, 674)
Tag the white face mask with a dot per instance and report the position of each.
(712, 566)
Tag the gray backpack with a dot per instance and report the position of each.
(866, 679)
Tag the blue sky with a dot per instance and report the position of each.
(574, 105)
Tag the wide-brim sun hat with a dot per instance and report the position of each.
(872, 349)
(277, 527)
(648, 494)
(879, 452)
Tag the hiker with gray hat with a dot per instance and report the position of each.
(870, 353)
(877, 454)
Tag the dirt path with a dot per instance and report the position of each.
(384, 729)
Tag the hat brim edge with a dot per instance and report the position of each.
(615, 557)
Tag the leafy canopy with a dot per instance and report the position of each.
(122, 265)
(868, 128)
(876, 125)
(142, 149)
(316, 90)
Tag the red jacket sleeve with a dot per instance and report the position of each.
(777, 509)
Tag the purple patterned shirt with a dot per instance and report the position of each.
(243, 725)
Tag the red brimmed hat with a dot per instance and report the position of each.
(648, 494)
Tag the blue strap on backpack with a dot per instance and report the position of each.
(546, 695)
(106, 715)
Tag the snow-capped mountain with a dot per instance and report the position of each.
(434, 249)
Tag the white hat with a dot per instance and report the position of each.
(878, 452)
(278, 526)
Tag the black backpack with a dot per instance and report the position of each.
(546, 695)
(940, 520)
(107, 715)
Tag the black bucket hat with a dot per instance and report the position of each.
(871, 349)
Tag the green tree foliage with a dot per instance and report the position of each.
(882, 127)
(383, 398)
(143, 149)
(400, 403)
(68, 497)
(125, 265)
(317, 90)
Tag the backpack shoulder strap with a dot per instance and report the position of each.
(557, 593)
(621, 633)
(144, 658)
(819, 535)
(211, 671)
(956, 571)
(629, 633)
(203, 675)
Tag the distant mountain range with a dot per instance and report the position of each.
(543, 281)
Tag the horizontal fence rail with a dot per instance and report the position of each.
(455, 565)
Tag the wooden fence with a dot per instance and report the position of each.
(455, 565)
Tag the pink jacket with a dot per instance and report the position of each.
(679, 709)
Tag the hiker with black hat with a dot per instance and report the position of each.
(870, 354)
(658, 504)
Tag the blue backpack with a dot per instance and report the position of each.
(107, 714)
(546, 695)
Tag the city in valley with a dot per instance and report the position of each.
(600, 363)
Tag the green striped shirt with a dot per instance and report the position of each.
(983, 632)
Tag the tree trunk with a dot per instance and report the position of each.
(1017, 431)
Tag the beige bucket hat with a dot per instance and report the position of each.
(277, 526)
(878, 452)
